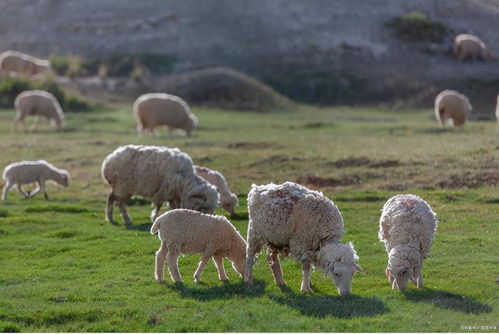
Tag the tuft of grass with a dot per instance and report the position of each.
(56, 208)
(4, 213)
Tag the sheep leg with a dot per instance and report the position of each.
(251, 251)
(6, 189)
(18, 120)
(307, 273)
(41, 187)
(275, 265)
(35, 123)
(109, 208)
(419, 279)
(22, 192)
(124, 213)
(155, 211)
(34, 192)
(219, 263)
(201, 266)
(160, 262)
(172, 261)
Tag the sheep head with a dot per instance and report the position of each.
(230, 203)
(202, 197)
(403, 262)
(338, 260)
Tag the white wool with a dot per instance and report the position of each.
(452, 108)
(38, 103)
(228, 200)
(18, 63)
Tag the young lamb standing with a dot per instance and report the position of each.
(40, 104)
(406, 227)
(451, 108)
(160, 173)
(21, 64)
(157, 109)
(26, 172)
(228, 200)
(290, 219)
(184, 231)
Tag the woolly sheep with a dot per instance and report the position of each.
(160, 173)
(26, 172)
(406, 227)
(38, 103)
(184, 231)
(290, 219)
(228, 200)
(452, 108)
(470, 46)
(156, 109)
(17, 63)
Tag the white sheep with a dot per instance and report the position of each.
(184, 231)
(157, 109)
(38, 103)
(406, 227)
(292, 220)
(470, 46)
(160, 173)
(452, 108)
(26, 172)
(18, 63)
(228, 200)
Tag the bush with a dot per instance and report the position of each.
(416, 26)
(157, 63)
(75, 104)
(10, 88)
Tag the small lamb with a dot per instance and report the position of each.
(406, 227)
(228, 200)
(26, 172)
(184, 231)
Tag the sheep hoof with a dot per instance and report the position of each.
(248, 282)
(307, 290)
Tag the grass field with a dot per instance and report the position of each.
(63, 268)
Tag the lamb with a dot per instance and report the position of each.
(25, 172)
(156, 109)
(290, 219)
(184, 231)
(406, 227)
(21, 64)
(38, 103)
(228, 200)
(452, 108)
(160, 173)
(470, 46)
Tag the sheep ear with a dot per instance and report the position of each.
(358, 269)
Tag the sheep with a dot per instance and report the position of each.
(470, 46)
(38, 103)
(183, 231)
(25, 172)
(156, 109)
(290, 219)
(406, 227)
(17, 63)
(160, 173)
(228, 200)
(452, 108)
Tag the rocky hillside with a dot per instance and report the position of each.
(323, 45)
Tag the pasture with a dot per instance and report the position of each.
(64, 268)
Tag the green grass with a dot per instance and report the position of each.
(63, 268)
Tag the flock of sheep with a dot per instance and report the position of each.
(288, 219)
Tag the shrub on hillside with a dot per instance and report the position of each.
(416, 26)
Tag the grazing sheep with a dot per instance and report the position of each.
(160, 173)
(38, 103)
(184, 231)
(26, 172)
(156, 109)
(228, 200)
(17, 63)
(470, 46)
(452, 108)
(292, 220)
(406, 227)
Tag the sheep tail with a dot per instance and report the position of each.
(155, 226)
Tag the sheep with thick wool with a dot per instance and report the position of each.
(452, 108)
(160, 173)
(228, 200)
(470, 46)
(290, 219)
(25, 172)
(184, 231)
(21, 64)
(38, 103)
(406, 227)
(157, 109)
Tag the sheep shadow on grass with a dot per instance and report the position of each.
(228, 290)
(337, 306)
(448, 300)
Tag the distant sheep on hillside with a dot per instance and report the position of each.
(470, 46)
(21, 64)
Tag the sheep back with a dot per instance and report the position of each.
(39, 102)
(13, 61)
(291, 215)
